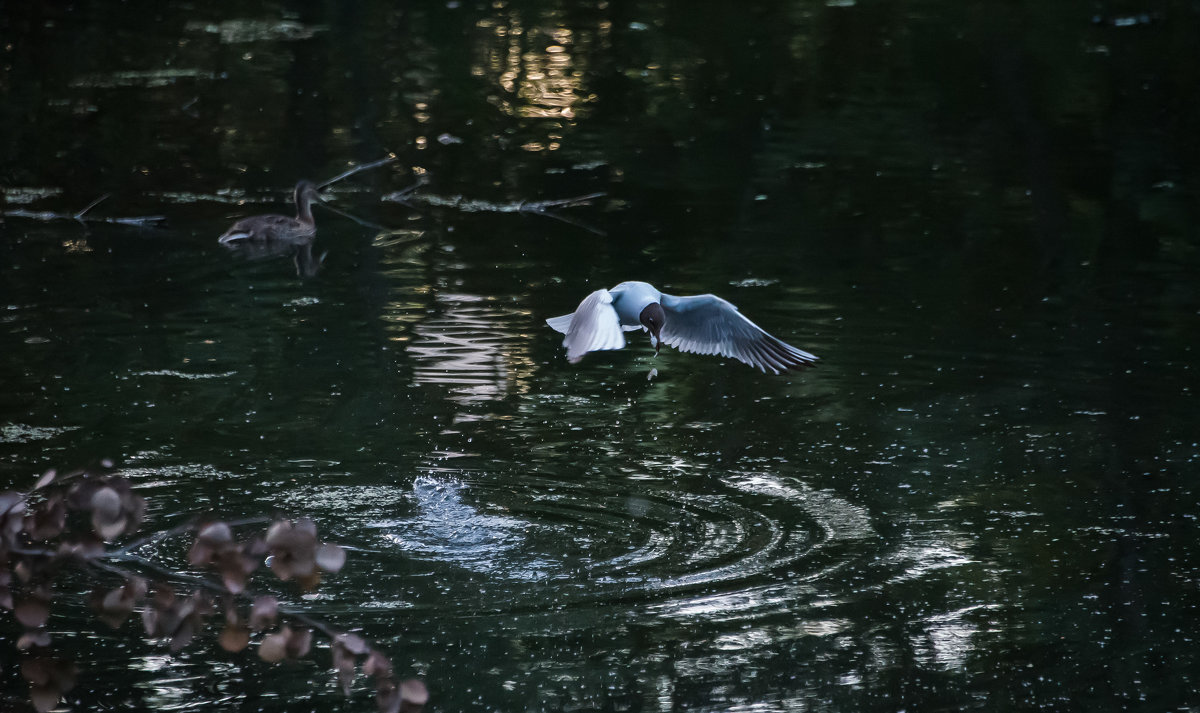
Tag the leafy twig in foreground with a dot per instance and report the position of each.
(37, 541)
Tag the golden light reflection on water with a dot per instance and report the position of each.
(536, 70)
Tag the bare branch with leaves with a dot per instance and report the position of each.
(70, 520)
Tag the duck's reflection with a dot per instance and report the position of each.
(306, 258)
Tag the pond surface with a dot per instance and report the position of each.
(981, 217)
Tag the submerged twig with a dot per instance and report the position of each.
(471, 205)
(390, 158)
(541, 206)
(402, 195)
(93, 204)
(356, 219)
(82, 217)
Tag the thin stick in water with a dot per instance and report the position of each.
(93, 204)
(390, 158)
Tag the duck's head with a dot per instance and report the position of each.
(653, 318)
(307, 192)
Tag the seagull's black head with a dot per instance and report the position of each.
(653, 318)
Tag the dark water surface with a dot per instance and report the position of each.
(981, 216)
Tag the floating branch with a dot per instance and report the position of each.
(361, 221)
(390, 158)
(410, 197)
(402, 196)
(83, 217)
(541, 206)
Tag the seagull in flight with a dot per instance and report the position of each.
(701, 324)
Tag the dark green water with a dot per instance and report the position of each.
(982, 216)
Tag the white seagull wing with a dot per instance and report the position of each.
(561, 324)
(707, 324)
(593, 326)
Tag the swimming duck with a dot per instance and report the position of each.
(279, 227)
(701, 324)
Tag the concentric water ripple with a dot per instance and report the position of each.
(596, 543)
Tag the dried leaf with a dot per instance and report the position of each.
(47, 478)
(277, 532)
(353, 643)
(79, 495)
(345, 678)
(309, 582)
(387, 696)
(11, 502)
(47, 520)
(293, 549)
(29, 639)
(107, 530)
(42, 671)
(44, 698)
(234, 581)
(377, 665)
(117, 601)
(183, 635)
(413, 692)
(330, 557)
(253, 553)
(216, 533)
(164, 596)
(106, 504)
(299, 643)
(150, 620)
(135, 510)
(32, 612)
(12, 508)
(136, 587)
(116, 606)
(344, 664)
(23, 571)
(200, 553)
(263, 612)
(273, 647)
(37, 671)
(114, 621)
(234, 638)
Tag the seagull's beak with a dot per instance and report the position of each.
(652, 319)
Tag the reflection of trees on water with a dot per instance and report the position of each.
(1006, 126)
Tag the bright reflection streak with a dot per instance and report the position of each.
(470, 348)
(175, 685)
(536, 70)
(949, 639)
